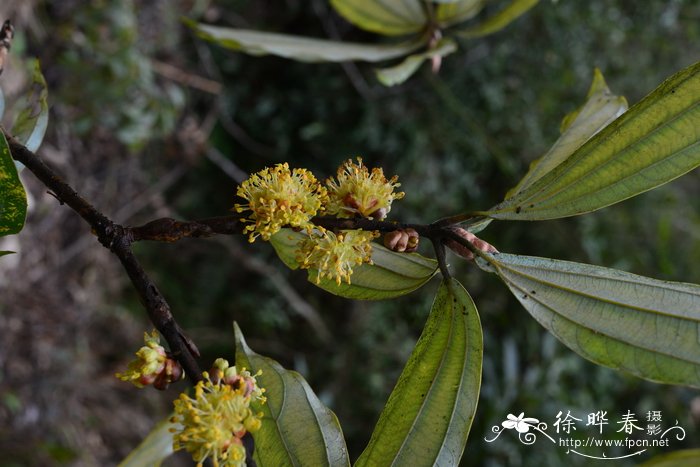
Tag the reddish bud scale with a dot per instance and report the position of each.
(465, 252)
(402, 240)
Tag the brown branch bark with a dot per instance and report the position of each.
(7, 32)
(118, 240)
(170, 230)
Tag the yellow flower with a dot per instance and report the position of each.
(357, 191)
(335, 255)
(212, 423)
(278, 197)
(150, 362)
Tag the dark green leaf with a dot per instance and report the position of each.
(644, 326)
(392, 274)
(13, 199)
(387, 17)
(500, 20)
(430, 411)
(397, 74)
(155, 447)
(31, 123)
(299, 48)
(654, 142)
(297, 429)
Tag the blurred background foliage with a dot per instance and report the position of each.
(148, 121)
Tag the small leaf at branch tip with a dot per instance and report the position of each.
(608, 155)
(397, 74)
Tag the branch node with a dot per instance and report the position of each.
(60, 201)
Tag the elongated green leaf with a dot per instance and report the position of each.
(654, 142)
(300, 48)
(448, 14)
(647, 327)
(500, 20)
(13, 199)
(682, 458)
(31, 123)
(601, 108)
(392, 274)
(297, 429)
(387, 17)
(397, 74)
(154, 448)
(430, 411)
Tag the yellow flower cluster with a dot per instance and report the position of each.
(211, 424)
(150, 362)
(335, 255)
(357, 191)
(279, 197)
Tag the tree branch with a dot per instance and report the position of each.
(118, 240)
(170, 230)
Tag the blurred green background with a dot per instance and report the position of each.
(149, 121)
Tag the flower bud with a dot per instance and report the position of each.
(465, 252)
(402, 240)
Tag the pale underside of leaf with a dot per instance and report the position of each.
(300, 48)
(391, 274)
(154, 448)
(297, 429)
(387, 17)
(644, 326)
(427, 418)
(397, 74)
(500, 20)
(600, 109)
(654, 142)
(31, 123)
